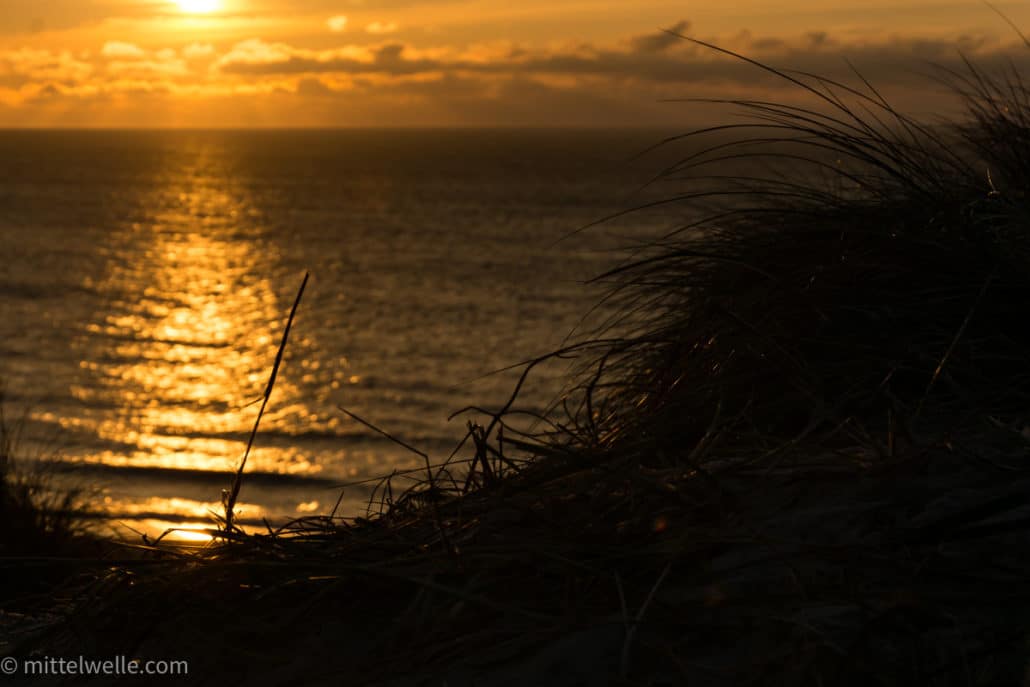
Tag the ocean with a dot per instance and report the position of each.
(147, 276)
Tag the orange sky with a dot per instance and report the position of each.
(245, 63)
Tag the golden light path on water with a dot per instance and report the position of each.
(193, 524)
(188, 376)
(177, 266)
(191, 341)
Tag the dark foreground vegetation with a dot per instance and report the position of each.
(797, 456)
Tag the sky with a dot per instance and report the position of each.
(429, 63)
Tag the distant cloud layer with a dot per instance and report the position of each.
(120, 50)
(378, 27)
(659, 42)
(498, 82)
(665, 57)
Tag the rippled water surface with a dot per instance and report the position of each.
(147, 277)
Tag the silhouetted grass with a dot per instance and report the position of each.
(806, 307)
(39, 516)
(796, 456)
(48, 558)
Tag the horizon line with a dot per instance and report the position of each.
(364, 127)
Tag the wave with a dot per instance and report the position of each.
(136, 338)
(343, 439)
(193, 476)
(113, 517)
(23, 290)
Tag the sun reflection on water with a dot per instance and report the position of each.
(187, 341)
(175, 361)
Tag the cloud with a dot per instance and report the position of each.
(337, 24)
(379, 28)
(313, 87)
(657, 58)
(197, 51)
(255, 51)
(449, 100)
(819, 39)
(128, 61)
(626, 82)
(659, 42)
(123, 51)
(256, 57)
(617, 82)
(145, 68)
(27, 65)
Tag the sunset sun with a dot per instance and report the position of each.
(198, 6)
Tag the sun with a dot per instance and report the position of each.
(198, 6)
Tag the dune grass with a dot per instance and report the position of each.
(796, 456)
(48, 557)
(39, 516)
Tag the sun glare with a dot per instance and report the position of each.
(198, 6)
